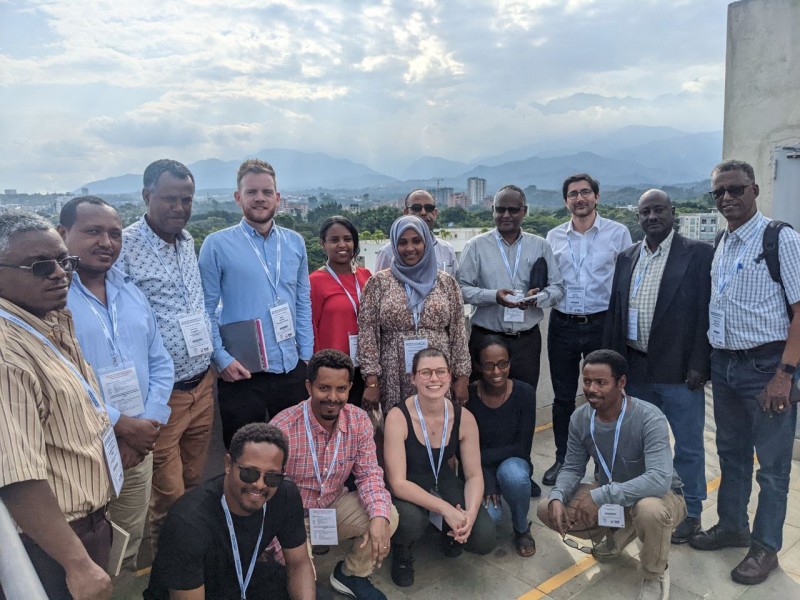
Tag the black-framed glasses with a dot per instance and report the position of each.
(734, 191)
(417, 208)
(500, 364)
(584, 193)
(45, 268)
(574, 544)
(512, 210)
(251, 475)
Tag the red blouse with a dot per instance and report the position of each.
(332, 314)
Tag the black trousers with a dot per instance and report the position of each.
(259, 398)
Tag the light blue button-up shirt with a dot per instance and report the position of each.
(138, 339)
(233, 275)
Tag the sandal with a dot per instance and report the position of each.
(526, 545)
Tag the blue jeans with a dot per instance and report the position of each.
(513, 476)
(741, 425)
(685, 411)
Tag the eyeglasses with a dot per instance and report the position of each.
(512, 210)
(417, 208)
(441, 373)
(500, 364)
(585, 193)
(45, 268)
(575, 545)
(251, 475)
(735, 191)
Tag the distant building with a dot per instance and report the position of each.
(299, 210)
(10, 192)
(476, 190)
(458, 199)
(441, 195)
(84, 191)
(700, 226)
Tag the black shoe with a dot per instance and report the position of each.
(717, 538)
(450, 547)
(536, 491)
(402, 566)
(551, 473)
(360, 588)
(756, 566)
(686, 530)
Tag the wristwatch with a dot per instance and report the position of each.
(788, 369)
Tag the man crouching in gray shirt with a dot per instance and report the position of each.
(638, 494)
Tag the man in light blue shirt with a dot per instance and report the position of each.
(117, 331)
(258, 270)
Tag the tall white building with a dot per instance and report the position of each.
(476, 190)
(700, 226)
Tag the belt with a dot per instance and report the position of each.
(580, 319)
(758, 351)
(189, 384)
(514, 336)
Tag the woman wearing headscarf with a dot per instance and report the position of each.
(404, 309)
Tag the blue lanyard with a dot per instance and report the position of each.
(511, 274)
(98, 406)
(349, 297)
(722, 282)
(116, 350)
(312, 446)
(616, 440)
(264, 264)
(184, 291)
(435, 468)
(415, 313)
(237, 561)
(577, 264)
(640, 277)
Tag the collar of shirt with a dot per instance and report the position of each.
(157, 241)
(596, 226)
(745, 232)
(252, 231)
(663, 247)
(505, 242)
(115, 279)
(317, 429)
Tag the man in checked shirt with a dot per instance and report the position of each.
(328, 440)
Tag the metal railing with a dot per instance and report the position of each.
(17, 575)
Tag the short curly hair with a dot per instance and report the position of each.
(258, 433)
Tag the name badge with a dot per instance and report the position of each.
(113, 459)
(352, 339)
(411, 347)
(514, 315)
(121, 389)
(322, 522)
(633, 324)
(196, 334)
(282, 321)
(434, 517)
(716, 327)
(576, 299)
(611, 515)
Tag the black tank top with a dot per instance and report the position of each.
(417, 462)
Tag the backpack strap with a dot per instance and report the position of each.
(770, 255)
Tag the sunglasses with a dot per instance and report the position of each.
(512, 210)
(576, 546)
(416, 208)
(45, 268)
(251, 475)
(735, 191)
(500, 364)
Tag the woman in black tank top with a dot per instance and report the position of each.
(422, 437)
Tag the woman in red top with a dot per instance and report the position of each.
(336, 295)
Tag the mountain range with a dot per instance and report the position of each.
(635, 155)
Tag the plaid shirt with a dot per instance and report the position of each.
(356, 455)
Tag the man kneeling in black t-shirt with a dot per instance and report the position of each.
(212, 538)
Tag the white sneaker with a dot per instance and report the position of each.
(655, 589)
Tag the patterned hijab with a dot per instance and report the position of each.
(421, 277)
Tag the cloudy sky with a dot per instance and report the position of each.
(95, 88)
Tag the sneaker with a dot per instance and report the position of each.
(450, 547)
(536, 491)
(402, 566)
(656, 588)
(756, 566)
(686, 530)
(360, 588)
(717, 538)
(552, 473)
(613, 544)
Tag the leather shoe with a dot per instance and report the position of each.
(717, 538)
(756, 566)
(686, 530)
(536, 491)
(552, 473)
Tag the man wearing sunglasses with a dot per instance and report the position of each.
(423, 205)
(53, 475)
(756, 350)
(119, 336)
(585, 248)
(214, 535)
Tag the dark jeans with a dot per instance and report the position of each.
(737, 377)
(93, 531)
(567, 343)
(524, 351)
(259, 398)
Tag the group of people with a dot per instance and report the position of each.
(370, 411)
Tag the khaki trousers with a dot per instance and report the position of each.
(179, 458)
(652, 520)
(352, 522)
(129, 509)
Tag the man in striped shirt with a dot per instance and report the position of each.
(53, 476)
(756, 350)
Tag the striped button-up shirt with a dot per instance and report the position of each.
(356, 454)
(753, 304)
(49, 429)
